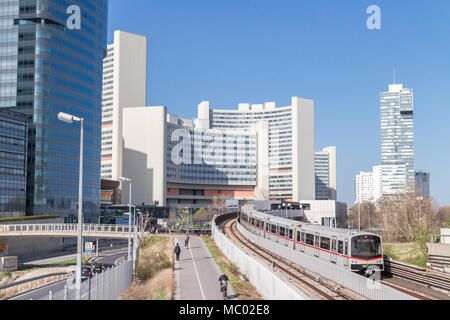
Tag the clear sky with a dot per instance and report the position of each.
(237, 51)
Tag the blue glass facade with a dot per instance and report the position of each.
(53, 69)
(13, 163)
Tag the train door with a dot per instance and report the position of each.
(303, 241)
(316, 244)
(333, 249)
(345, 252)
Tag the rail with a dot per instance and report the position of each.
(423, 276)
(65, 230)
(21, 284)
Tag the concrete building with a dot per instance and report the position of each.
(255, 152)
(423, 183)
(325, 170)
(397, 140)
(368, 185)
(124, 86)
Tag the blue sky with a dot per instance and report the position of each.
(236, 51)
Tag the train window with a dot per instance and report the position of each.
(282, 231)
(333, 245)
(273, 228)
(309, 239)
(291, 233)
(325, 243)
(340, 247)
(316, 240)
(267, 226)
(346, 248)
(302, 240)
(298, 236)
(257, 222)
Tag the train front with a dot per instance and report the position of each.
(366, 254)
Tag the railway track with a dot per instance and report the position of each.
(308, 282)
(416, 275)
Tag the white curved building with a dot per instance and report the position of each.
(255, 152)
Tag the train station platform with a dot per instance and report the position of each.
(196, 273)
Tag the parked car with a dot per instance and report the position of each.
(86, 273)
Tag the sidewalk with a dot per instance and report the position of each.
(197, 274)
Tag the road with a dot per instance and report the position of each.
(57, 288)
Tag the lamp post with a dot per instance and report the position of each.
(359, 216)
(71, 119)
(129, 217)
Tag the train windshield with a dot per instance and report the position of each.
(366, 247)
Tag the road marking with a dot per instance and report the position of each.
(196, 272)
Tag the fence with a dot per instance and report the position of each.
(108, 285)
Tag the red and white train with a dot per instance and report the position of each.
(356, 251)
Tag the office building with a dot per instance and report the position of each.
(368, 185)
(256, 152)
(13, 163)
(423, 184)
(397, 140)
(325, 169)
(48, 68)
(124, 85)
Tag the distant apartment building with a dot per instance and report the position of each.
(325, 172)
(124, 86)
(13, 163)
(256, 152)
(423, 183)
(397, 140)
(368, 185)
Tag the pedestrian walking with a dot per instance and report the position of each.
(186, 241)
(177, 251)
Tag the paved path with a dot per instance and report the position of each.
(197, 274)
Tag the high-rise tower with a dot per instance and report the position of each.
(48, 68)
(397, 140)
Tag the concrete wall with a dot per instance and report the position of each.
(303, 149)
(268, 283)
(144, 155)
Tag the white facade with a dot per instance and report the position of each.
(325, 171)
(328, 213)
(368, 185)
(124, 86)
(255, 152)
(397, 140)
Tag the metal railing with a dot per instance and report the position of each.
(63, 229)
(108, 285)
(19, 287)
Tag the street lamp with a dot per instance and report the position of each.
(129, 217)
(71, 119)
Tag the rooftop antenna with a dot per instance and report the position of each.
(394, 76)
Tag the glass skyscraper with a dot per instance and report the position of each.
(46, 68)
(13, 163)
(397, 140)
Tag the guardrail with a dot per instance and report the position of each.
(65, 230)
(417, 274)
(27, 284)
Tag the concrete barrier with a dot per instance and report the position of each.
(9, 264)
(269, 284)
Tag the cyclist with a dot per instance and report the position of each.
(223, 279)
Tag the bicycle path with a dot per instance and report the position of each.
(197, 273)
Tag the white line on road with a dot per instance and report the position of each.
(196, 272)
